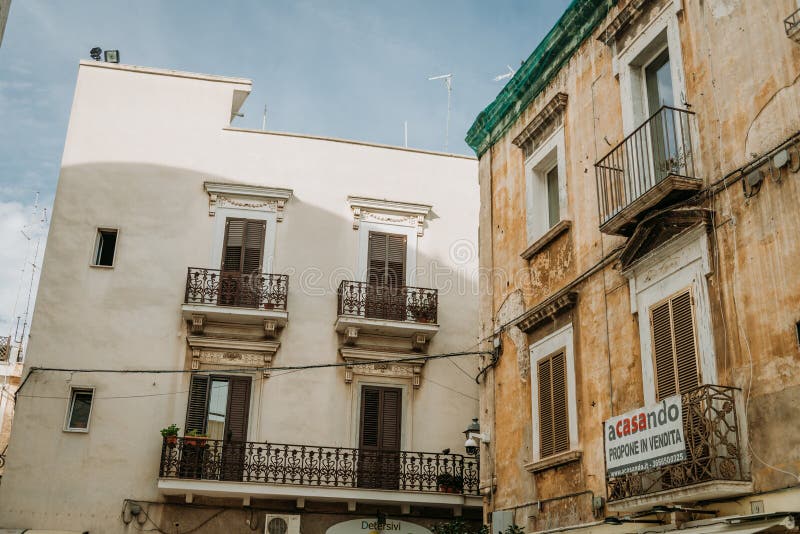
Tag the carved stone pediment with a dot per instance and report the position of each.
(250, 197)
(373, 362)
(388, 212)
(652, 233)
(547, 310)
(627, 15)
(542, 125)
(221, 352)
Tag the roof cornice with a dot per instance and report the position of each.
(575, 25)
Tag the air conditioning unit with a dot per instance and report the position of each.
(282, 524)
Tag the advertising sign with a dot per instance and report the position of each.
(645, 438)
(370, 525)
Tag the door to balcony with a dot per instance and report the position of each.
(664, 130)
(379, 437)
(386, 277)
(218, 408)
(242, 251)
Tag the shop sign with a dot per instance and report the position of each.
(370, 525)
(645, 438)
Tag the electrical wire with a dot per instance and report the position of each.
(746, 339)
(420, 358)
(286, 370)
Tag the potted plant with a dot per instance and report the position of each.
(445, 481)
(420, 313)
(457, 484)
(195, 438)
(170, 434)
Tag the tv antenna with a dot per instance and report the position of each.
(511, 72)
(264, 120)
(448, 82)
(30, 231)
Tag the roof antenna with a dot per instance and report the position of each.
(405, 134)
(511, 72)
(264, 120)
(448, 82)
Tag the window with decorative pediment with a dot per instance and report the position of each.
(554, 407)
(543, 146)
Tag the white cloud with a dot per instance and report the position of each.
(20, 230)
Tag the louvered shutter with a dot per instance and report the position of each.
(376, 269)
(253, 246)
(244, 245)
(553, 407)
(370, 417)
(395, 260)
(390, 420)
(685, 350)
(238, 408)
(232, 248)
(386, 259)
(663, 350)
(674, 348)
(197, 408)
(381, 411)
(379, 456)
(234, 443)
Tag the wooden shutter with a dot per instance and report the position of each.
(243, 247)
(674, 348)
(370, 417)
(238, 408)
(553, 407)
(197, 408)
(390, 420)
(386, 263)
(381, 410)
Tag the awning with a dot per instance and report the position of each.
(771, 523)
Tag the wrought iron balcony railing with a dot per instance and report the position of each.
(713, 447)
(792, 26)
(658, 149)
(244, 290)
(413, 304)
(272, 463)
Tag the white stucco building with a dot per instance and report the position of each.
(222, 256)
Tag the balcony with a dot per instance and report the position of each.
(279, 471)
(387, 311)
(715, 466)
(792, 26)
(243, 298)
(652, 168)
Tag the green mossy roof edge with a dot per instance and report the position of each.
(561, 42)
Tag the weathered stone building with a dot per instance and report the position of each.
(639, 215)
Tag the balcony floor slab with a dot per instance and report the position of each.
(669, 190)
(715, 489)
(386, 327)
(240, 490)
(230, 314)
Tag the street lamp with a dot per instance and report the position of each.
(473, 436)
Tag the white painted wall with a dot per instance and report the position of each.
(139, 146)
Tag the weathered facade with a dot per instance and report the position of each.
(639, 200)
(277, 297)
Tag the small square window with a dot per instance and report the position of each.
(105, 247)
(80, 409)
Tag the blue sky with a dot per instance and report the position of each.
(350, 69)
